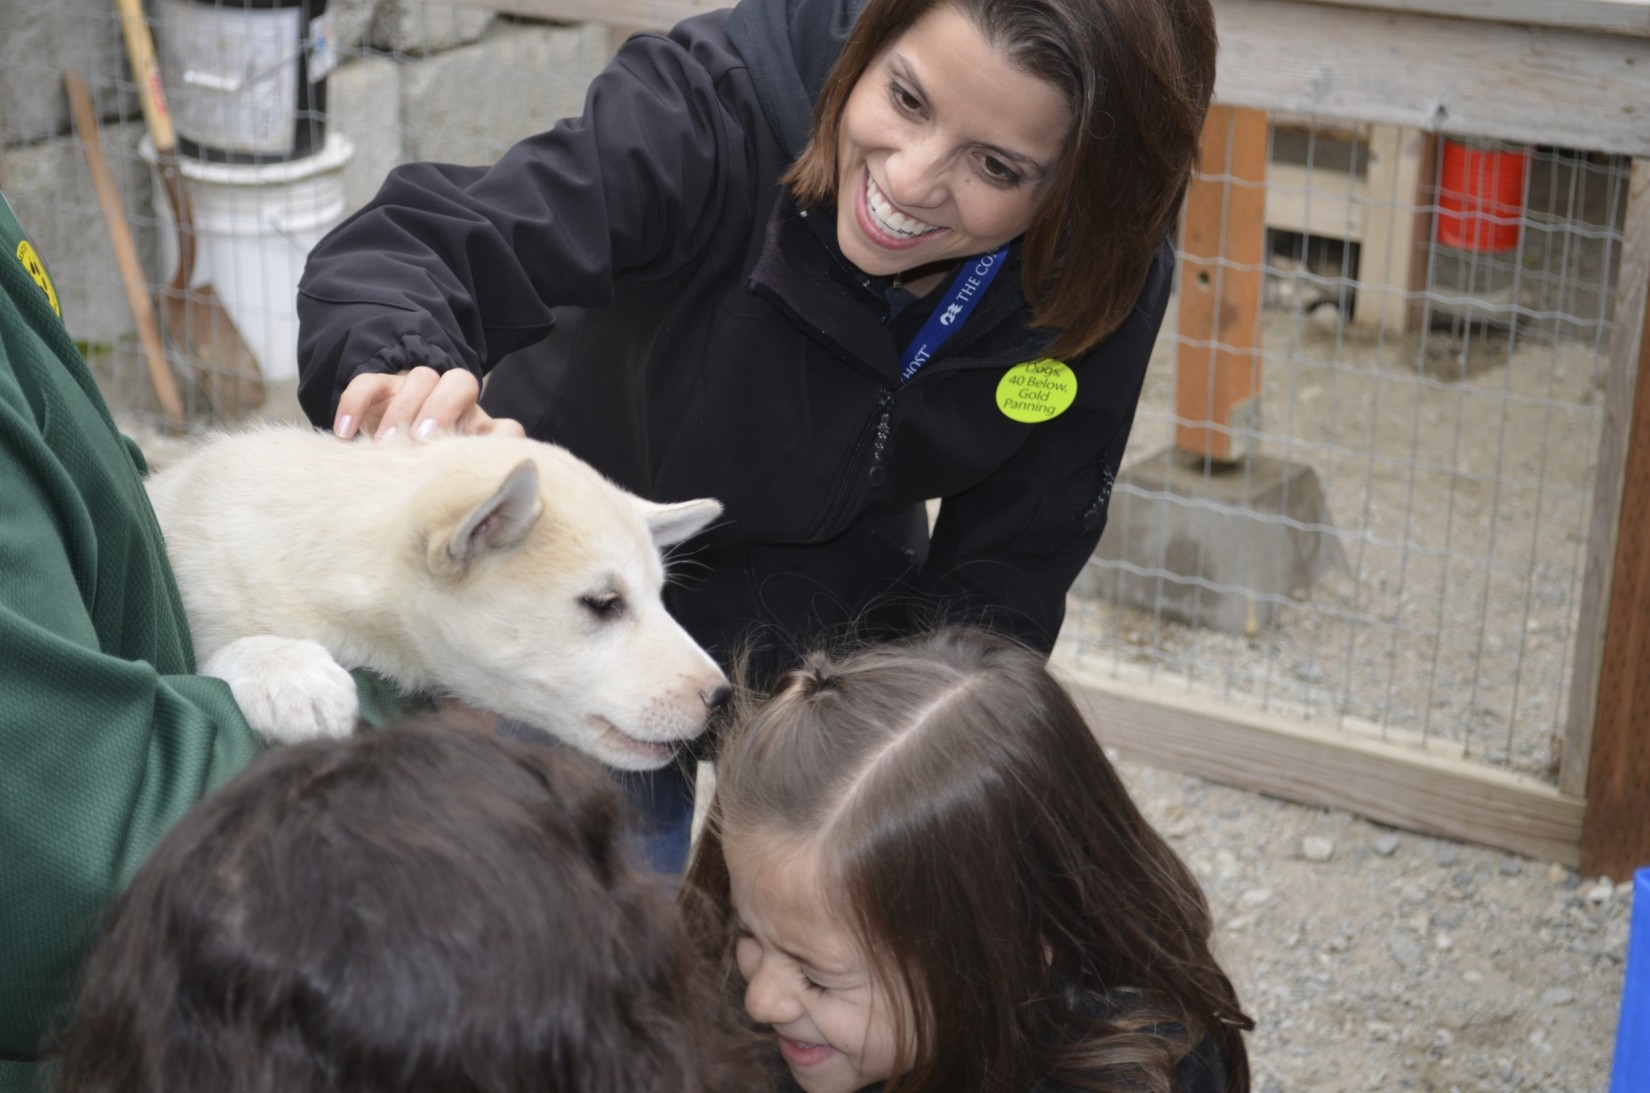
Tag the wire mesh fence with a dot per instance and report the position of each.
(1445, 448)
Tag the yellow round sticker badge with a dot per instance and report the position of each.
(1036, 390)
(37, 269)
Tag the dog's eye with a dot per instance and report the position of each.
(606, 605)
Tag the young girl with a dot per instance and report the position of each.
(934, 879)
(417, 909)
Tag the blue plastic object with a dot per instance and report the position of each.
(1630, 1072)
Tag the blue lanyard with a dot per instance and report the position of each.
(966, 289)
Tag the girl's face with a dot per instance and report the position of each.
(944, 148)
(805, 974)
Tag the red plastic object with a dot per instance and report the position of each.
(1480, 197)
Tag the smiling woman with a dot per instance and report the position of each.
(944, 148)
(799, 256)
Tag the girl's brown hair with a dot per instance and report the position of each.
(416, 909)
(1138, 76)
(991, 862)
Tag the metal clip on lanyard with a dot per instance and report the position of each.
(967, 287)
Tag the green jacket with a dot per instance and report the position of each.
(106, 735)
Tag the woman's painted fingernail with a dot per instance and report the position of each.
(425, 428)
(343, 425)
(385, 435)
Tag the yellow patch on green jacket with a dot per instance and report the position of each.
(37, 269)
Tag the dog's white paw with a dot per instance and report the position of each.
(290, 689)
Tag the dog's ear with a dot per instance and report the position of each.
(502, 520)
(670, 524)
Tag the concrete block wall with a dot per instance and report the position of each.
(454, 106)
(38, 41)
(458, 109)
(364, 103)
(420, 79)
(50, 190)
(420, 27)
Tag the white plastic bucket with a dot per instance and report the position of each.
(254, 227)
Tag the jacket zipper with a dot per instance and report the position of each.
(877, 426)
(878, 474)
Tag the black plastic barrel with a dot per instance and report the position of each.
(246, 79)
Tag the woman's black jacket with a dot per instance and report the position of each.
(636, 287)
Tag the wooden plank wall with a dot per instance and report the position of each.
(1609, 16)
(1564, 85)
(1546, 85)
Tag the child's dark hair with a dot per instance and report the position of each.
(990, 859)
(419, 908)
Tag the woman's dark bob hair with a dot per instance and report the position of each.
(1138, 75)
(414, 910)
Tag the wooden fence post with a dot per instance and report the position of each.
(1615, 837)
(1217, 374)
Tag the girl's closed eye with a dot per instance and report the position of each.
(811, 984)
(903, 98)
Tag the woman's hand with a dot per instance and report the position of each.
(420, 402)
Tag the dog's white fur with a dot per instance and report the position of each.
(504, 572)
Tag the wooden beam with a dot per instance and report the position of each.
(127, 262)
(1616, 839)
(1397, 226)
(1223, 242)
(1608, 16)
(1586, 670)
(1551, 85)
(1436, 65)
(1425, 790)
(1315, 201)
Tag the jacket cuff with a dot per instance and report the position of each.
(407, 353)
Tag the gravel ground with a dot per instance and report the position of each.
(1374, 959)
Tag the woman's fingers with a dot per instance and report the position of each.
(447, 404)
(406, 406)
(362, 404)
(419, 403)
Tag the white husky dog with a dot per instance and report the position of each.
(504, 572)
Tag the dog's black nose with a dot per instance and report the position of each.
(718, 697)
